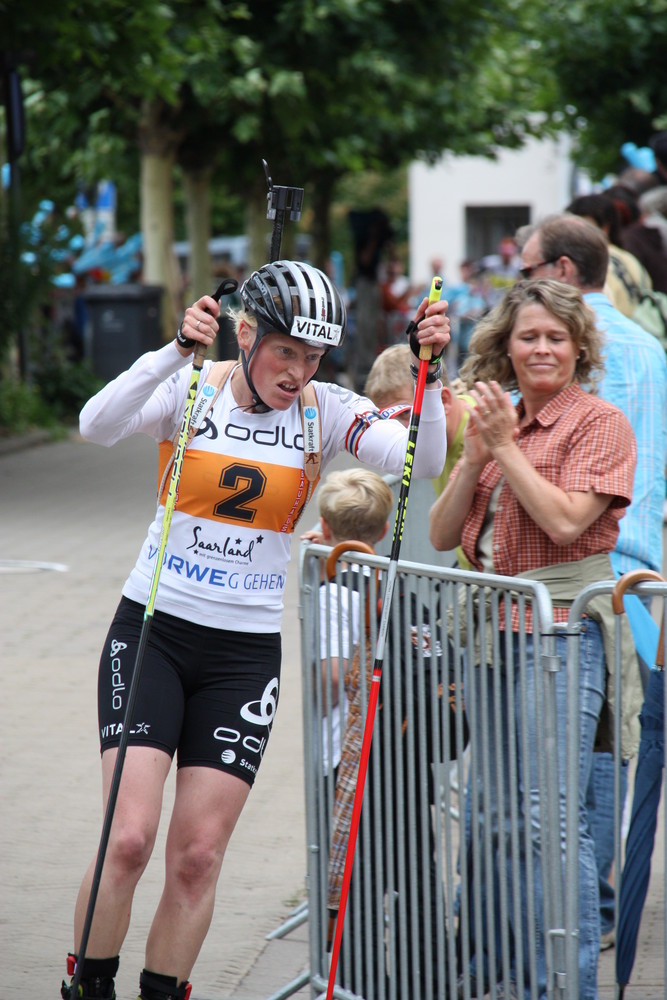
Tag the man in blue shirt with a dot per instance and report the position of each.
(572, 250)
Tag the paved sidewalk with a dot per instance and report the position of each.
(84, 510)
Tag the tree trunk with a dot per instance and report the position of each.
(157, 145)
(197, 187)
(323, 187)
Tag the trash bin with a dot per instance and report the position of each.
(122, 322)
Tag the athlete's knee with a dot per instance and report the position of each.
(197, 867)
(130, 848)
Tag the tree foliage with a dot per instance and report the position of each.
(609, 67)
(90, 73)
(319, 88)
(323, 89)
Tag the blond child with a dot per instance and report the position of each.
(353, 504)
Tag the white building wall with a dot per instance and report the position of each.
(540, 176)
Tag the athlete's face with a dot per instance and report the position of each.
(280, 368)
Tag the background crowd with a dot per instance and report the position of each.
(631, 211)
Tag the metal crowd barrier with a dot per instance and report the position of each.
(423, 896)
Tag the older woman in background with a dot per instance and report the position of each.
(539, 492)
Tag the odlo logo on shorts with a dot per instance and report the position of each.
(116, 679)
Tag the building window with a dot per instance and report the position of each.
(487, 224)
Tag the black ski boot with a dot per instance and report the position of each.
(97, 980)
(153, 986)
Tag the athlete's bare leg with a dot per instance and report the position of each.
(208, 803)
(133, 830)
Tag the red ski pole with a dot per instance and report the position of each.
(424, 358)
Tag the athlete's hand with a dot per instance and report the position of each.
(199, 325)
(432, 325)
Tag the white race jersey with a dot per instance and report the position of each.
(242, 484)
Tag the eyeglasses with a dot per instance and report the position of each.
(526, 272)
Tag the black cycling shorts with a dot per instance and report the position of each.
(207, 693)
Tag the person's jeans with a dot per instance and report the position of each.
(600, 808)
(498, 708)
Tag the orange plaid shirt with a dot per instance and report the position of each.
(579, 442)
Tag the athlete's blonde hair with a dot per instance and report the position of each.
(355, 503)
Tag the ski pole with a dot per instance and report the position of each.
(226, 288)
(424, 358)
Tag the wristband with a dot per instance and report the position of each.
(182, 340)
(431, 376)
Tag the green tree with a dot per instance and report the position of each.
(106, 83)
(331, 87)
(327, 89)
(608, 65)
(202, 90)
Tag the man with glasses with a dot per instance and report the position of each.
(572, 250)
(528, 270)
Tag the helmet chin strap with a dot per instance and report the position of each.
(258, 404)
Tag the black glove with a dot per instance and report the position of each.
(414, 343)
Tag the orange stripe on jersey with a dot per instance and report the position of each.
(222, 488)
